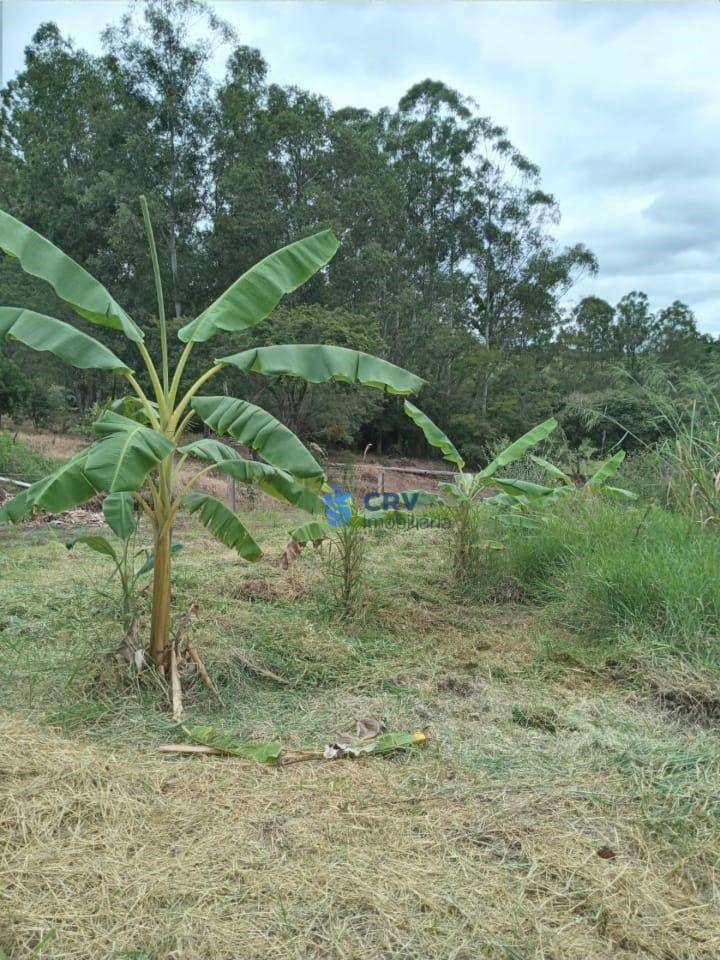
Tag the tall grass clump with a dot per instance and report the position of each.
(637, 579)
(681, 469)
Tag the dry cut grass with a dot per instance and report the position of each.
(117, 851)
(551, 816)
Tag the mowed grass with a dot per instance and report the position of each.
(554, 814)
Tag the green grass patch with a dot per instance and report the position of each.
(635, 585)
(18, 460)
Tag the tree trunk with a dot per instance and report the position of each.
(488, 374)
(485, 392)
(174, 273)
(160, 623)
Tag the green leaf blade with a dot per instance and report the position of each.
(96, 543)
(434, 435)
(552, 470)
(119, 513)
(313, 532)
(276, 483)
(607, 470)
(123, 458)
(71, 282)
(46, 334)
(258, 429)
(519, 448)
(258, 291)
(224, 525)
(524, 488)
(320, 363)
(210, 737)
(61, 490)
(17, 508)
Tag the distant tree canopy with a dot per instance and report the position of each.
(447, 265)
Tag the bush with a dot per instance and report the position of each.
(638, 578)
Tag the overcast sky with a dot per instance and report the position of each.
(619, 104)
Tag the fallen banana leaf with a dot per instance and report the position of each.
(382, 745)
(223, 743)
(209, 742)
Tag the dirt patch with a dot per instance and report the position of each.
(263, 590)
(698, 706)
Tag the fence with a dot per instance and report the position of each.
(381, 472)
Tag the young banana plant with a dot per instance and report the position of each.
(598, 481)
(468, 492)
(139, 450)
(469, 489)
(129, 564)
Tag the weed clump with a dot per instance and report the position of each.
(637, 583)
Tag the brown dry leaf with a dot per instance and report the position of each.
(290, 554)
(368, 727)
(606, 853)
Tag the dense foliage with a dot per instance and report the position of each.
(447, 263)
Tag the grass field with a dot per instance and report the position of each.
(560, 810)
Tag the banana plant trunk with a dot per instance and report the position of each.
(160, 622)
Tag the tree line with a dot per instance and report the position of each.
(448, 264)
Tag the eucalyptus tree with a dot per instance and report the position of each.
(139, 453)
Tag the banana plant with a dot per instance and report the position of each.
(139, 450)
(468, 492)
(471, 488)
(597, 482)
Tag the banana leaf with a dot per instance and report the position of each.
(66, 487)
(224, 525)
(276, 483)
(96, 543)
(73, 284)
(256, 293)
(434, 435)
(208, 736)
(607, 470)
(46, 334)
(123, 458)
(258, 429)
(552, 470)
(118, 510)
(519, 448)
(319, 363)
(313, 532)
